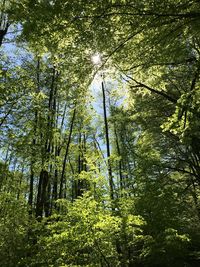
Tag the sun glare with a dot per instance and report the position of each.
(96, 59)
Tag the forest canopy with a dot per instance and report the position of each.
(100, 133)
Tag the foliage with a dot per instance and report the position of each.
(88, 234)
(90, 178)
(13, 230)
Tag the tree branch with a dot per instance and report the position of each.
(161, 93)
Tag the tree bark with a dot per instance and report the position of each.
(110, 177)
(66, 153)
(42, 193)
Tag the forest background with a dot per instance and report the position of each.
(100, 133)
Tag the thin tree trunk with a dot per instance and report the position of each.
(20, 182)
(63, 118)
(120, 160)
(107, 144)
(195, 198)
(30, 199)
(80, 183)
(66, 153)
(31, 185)
(73, 183)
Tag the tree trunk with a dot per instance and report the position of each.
(66, 153)
(42, 193)
(3, 23)
(107, 144)
(120, 160)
